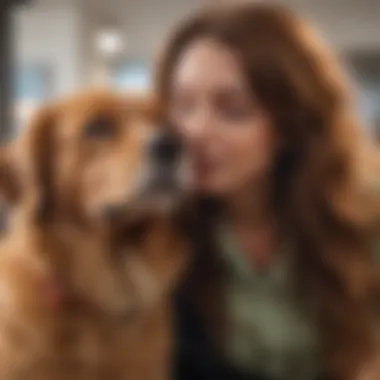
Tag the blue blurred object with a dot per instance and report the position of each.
(132, 76)
(33, 82)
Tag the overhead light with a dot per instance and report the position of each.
(109, 42)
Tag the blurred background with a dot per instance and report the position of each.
(50, 48)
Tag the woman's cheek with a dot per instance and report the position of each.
(252, 157)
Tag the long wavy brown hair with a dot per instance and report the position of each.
(322, 176)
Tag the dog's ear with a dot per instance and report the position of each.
(38, 161)
(10, 183)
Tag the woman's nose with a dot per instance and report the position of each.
(200, 126)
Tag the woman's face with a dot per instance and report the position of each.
(228, 134)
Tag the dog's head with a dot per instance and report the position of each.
(101, 158)
(93, 169)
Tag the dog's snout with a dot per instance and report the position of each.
(166, 148)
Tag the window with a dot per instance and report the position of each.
(33, 85)
(132, 76)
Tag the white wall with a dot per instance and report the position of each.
(60, 32)
(147, 23)
(347, 24)
(52, 37)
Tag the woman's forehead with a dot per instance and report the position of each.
(207, 63)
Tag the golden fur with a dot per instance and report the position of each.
(8, 179)
(83, 297)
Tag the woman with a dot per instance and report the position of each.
(283, 283)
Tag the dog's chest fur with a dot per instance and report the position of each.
(37, 343)
(81, 347)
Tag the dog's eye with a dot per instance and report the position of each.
(169, 126)
(135, 233)
(100, 128)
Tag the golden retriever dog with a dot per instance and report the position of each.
(94, 251)
(9, 184)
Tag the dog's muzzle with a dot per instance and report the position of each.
(165, 149)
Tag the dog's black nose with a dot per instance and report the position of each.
(166, 148)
